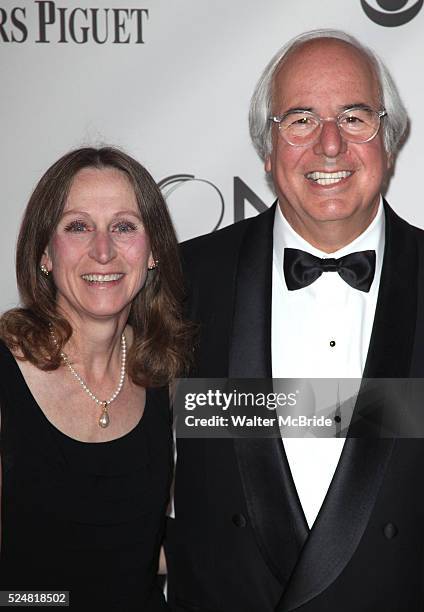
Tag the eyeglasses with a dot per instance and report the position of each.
(301, 128)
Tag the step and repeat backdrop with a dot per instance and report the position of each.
(169, 81)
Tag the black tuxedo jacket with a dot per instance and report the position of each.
(240, 542)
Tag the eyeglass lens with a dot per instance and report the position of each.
(355, 125)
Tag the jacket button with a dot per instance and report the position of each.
(390, 531)
(239, 520)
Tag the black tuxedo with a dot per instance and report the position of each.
(240, 542)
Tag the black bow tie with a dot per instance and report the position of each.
(302, 269)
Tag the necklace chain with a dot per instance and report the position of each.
(104, 418)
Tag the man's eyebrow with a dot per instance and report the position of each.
(344, 107)
(299, 109)
(358, 105)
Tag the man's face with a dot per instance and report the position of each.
(326, 76)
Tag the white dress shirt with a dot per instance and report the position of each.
(304, 323)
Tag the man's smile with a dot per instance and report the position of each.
(328, 178)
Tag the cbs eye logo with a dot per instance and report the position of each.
(391, 13)
(207, 196)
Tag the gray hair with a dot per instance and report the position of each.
(394, 125)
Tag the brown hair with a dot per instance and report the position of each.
(162, 339)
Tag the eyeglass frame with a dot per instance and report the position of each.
(279, 118)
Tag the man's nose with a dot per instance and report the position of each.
(330, 142)
(102, 248)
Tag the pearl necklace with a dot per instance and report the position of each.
(104, 418)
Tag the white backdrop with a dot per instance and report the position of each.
(178, 101)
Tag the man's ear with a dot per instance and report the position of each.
(268, 165)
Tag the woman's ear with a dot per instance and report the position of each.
(46, 261)
(152, 262)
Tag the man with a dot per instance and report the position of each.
(310, 525)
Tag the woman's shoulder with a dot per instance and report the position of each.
(157, 398)
(6, 355)
(9, 359)
(9, 370)
(157, 410)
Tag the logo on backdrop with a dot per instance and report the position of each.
(171, 183)
(46, 22)
(210, 200)
(394, 13)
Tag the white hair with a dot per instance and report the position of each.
(394, 125)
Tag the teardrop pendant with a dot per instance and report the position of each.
(104, 418)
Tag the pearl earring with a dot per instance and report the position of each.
(44, 270)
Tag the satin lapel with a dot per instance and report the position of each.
(250, 348)
(392, 338)
(271, 498)
(341, 521)
(347, 507)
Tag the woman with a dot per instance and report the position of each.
(86, 445)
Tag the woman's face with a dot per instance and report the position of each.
(99, 252)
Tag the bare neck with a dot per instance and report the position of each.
(95, 346)
(330, 236)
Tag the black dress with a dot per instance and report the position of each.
(78, 516)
